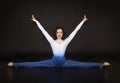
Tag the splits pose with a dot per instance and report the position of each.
(58, 46)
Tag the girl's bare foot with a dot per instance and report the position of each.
(106, 63)
(10, 64)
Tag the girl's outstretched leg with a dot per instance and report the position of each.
(72, 63)
(44, 63)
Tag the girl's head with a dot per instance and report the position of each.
(59, 33)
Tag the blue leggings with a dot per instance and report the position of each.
(50, 63)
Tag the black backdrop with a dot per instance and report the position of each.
(99, 36)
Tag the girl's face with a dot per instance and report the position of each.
(59, 33)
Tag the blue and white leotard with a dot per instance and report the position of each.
(58, 49)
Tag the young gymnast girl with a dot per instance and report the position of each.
(59, 46)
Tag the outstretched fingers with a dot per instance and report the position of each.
(85, 18)
(33, 18)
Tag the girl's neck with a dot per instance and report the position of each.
(59, 39)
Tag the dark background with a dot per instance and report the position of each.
(21, 38)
